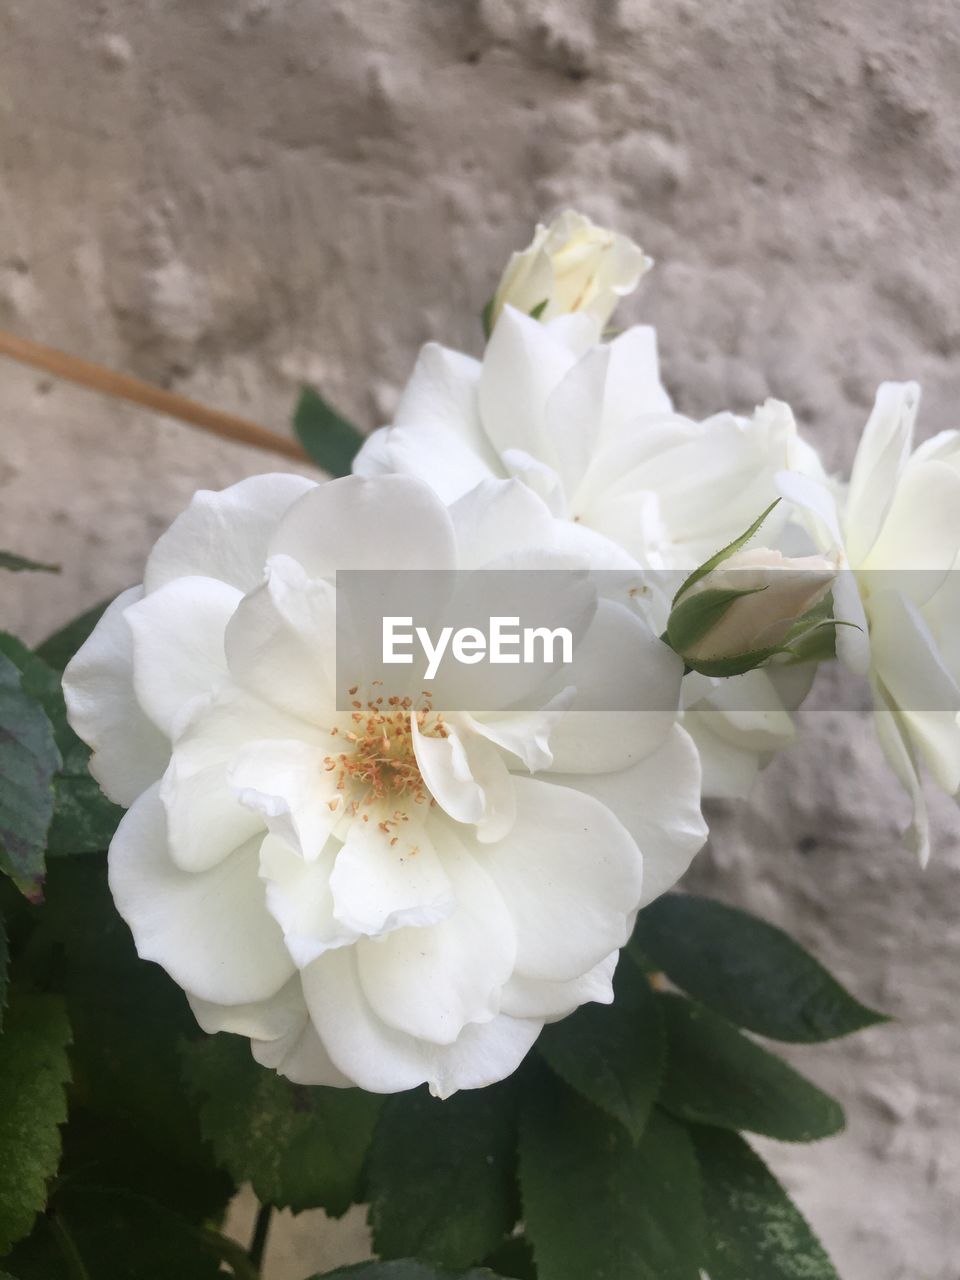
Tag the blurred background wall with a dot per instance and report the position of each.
(233, 196)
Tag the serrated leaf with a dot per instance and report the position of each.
(753, 1228)
(598, 1206)
(20, 564)
(28, 761)
(716, 1075)
(299, 1147)
(131, 1118)
(33, 1071)
(747, 970)
(84, 820)
(328, 438)
(613, 1054)
(441, 1175)
(59, 648)
(114, 1234)
(403, 1269)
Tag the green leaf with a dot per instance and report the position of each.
(747, 970)
(33, 1071)
(84, 820)
(59, 648)
(329, 439)
(403, 1269)
(131, 1119)
(19, 564)
(613, 1054)
(112, 1234)
(441, 1175)
(598, 1206)
(725, 552)
(28, 761)
(753, 1228)
(299, 1147)
(717, 1076)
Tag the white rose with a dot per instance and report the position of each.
(898, 530)
(570, 266)
(773, 593)
(374, 897)
(590, 428)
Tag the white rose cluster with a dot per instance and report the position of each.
(589, 427)
(382, 896)
(399, 892)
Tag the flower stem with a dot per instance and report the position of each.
(121, 386)
(76, 1268)
(260, 1231)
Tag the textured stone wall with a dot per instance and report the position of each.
(229, 196)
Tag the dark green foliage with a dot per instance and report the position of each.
(599, 1206)
(33, 1071)
(753, 1228)
(613, 1054)
(328, 438)
(747, 970)
(299, 1147)
(718, 1076)
(28, 761)
(441, 1176)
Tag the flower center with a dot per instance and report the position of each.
(380, 761)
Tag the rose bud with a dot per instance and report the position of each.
(743, 610)
(572, 265)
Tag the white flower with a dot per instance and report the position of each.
(774, 592)
(591, 429)
(898, 531)
(572, 265)
(377, 897)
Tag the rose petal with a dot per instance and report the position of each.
(129, 752)
(225, 534)
(211, 930)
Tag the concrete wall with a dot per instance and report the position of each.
(229, 196)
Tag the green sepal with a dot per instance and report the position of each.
(537, 311)
(692, 619)
(738, 665)
(724, 553)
